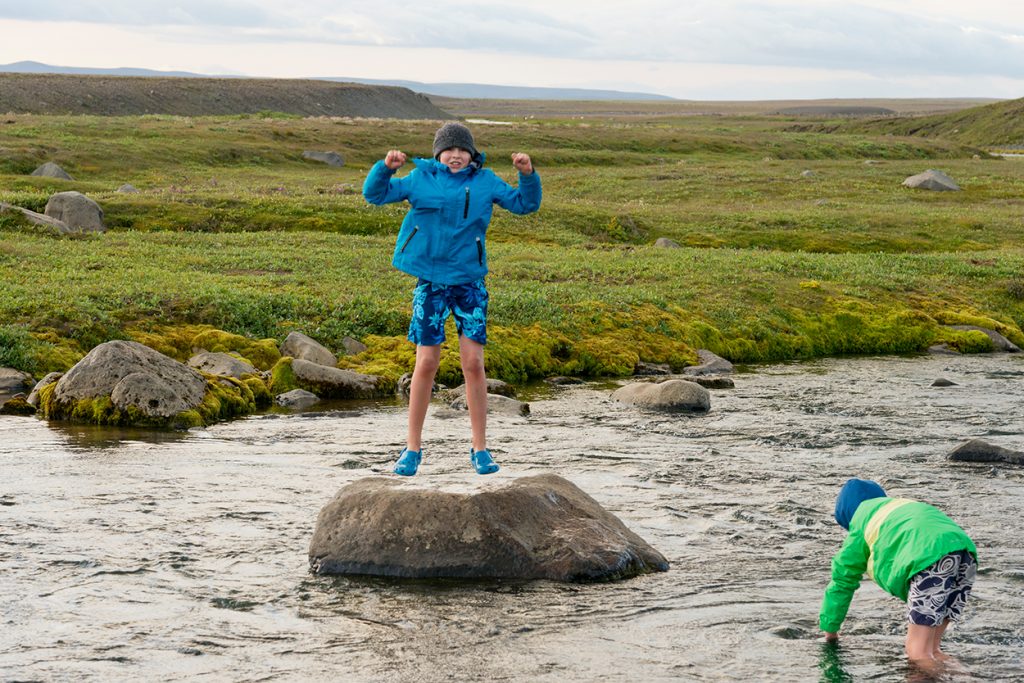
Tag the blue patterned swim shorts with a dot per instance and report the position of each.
(431, 304)
(940, 592)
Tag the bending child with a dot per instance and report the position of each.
(442, 243)
(911, 550)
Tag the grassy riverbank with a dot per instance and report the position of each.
(234, 230)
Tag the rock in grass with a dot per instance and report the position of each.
(222, 364)
(52, 224)
(51, 170)
(76, 210)
(977, 450)
(496, 404)
(329, 158)
(666, 243)
(931, 180)
(674, 395)
(540, 527)
(297, 399)
(352, 346)
(298, 345)
(999, 342)
(127, 189)
(710, 364)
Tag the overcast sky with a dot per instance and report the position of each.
(714, 49)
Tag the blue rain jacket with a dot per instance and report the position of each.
(442, 238)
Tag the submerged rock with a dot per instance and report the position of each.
(496, 403)
(674, 395)
(977, 450)
(540, 527)
(17, 405)
(710, 364)
(712, 382)
(561, 381)
(646, 369)
(297, 399)
(943, 382)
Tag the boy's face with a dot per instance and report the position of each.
(455, 158)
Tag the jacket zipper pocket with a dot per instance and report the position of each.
(409, 239)
(479, 251)
(465, 209)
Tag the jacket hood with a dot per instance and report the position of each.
(853, 493)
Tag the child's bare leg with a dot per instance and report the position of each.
(420, 389)
(472, 355)
(920, 644)
(940, 631)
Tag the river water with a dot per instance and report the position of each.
(146, 556)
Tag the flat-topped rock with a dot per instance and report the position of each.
(219, 363)
(977, 450)
(539, 527)
(328, 382)
(298, 345)
(674, 395)
(496, 404)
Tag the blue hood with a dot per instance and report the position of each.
(853, 493)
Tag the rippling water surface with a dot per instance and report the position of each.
(146, 556)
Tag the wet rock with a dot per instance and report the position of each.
(127, 189)
(353, 346)
(712, 382)
(931, 180)
(135, 378)
(674, 395)
(405, 381)
(977, 450)
(540, 527)
(999, 342)
(297, 399)
(943, 382)
(298, 345)
(17, 405)
(646, 369)
(710, 364)
(942, 350)
(666, 243)
(33, 397)
(560, 381)
(221, 364)
(496, 404)
(52, 224)
(494, 386)
(328, 382)
(329, 158)
(51, 170)
(13, 381)
(76, 210)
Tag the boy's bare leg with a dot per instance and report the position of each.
(919, 646)
(420, 389)
(472, 356)
(937, 652)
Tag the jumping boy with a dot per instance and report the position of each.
(441, 242)
(911, 550)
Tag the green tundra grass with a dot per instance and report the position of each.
(233, 230)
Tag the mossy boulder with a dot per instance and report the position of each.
(221, 364)
(262, 353)
(328, 382)
(17, 405)
(128, 383)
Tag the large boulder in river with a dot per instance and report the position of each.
(931, 180)
(127, 383)
(327, 382)
(674, 395)
(51, 170)
(298, 345)
(540, 527)
(710, 364)
(76, 210)
(977, 450)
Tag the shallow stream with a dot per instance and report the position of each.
(150, 556)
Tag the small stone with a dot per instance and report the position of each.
(943, 382)
(297, 399)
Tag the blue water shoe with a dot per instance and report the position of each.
(408, 463)
(483, 462)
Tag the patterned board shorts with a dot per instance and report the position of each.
(431, 304)
(940, 592)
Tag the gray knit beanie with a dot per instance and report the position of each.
(453, 134)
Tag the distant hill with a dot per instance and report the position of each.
(1000, 124)
(134, 95)
(465, 90)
